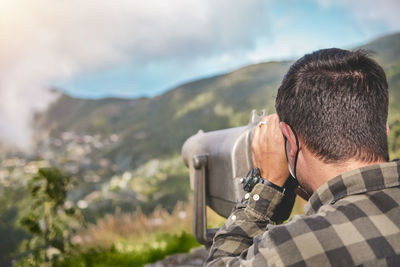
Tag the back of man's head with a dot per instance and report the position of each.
(337, 102)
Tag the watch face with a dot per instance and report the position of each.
(253, 178)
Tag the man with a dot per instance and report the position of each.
(332, 107)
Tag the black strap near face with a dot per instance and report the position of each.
(297, 152)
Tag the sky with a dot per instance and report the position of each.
(131, 48)
(184, 43)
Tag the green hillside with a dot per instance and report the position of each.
(157, 127)
(387, 52)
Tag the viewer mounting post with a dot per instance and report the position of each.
(216, 161)
(202, 234)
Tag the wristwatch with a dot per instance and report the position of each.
(254, 177)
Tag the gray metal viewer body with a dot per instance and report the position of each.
(216, 161)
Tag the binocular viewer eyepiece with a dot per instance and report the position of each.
(216, 161)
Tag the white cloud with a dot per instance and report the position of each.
(287, 41)
(43, 41)
(386, 11)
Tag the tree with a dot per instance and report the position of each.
(49, 220)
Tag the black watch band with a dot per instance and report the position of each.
(254, 177)
(280, 189)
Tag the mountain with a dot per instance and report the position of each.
(157, 127)
(387, 53)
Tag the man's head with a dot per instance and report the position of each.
(336, 101)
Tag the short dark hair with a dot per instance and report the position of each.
(337, 102)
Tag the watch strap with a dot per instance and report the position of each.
(280, 189)
(254, 177)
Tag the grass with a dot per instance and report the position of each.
(130, 231)
(135, 239)
(167, 244)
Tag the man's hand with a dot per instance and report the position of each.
(269, 151)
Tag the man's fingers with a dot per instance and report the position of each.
(255, 144)
(256, 136)
(268, 130)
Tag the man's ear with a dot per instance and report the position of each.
(387, 129)
(291, 146)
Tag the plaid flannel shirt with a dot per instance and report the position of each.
(353, 219)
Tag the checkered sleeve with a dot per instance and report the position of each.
(248, 220)
(351, 220)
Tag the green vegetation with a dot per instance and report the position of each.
(48, 220)
(124, 239)
(394, 139)
(10, 230)
(58, 235)
(157, 182)
(166, 244)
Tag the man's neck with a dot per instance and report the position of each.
(319, 172)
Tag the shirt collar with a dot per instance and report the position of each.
(369, 178)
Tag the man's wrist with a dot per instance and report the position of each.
(254, 177)
(276, 179)
(277, 187)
